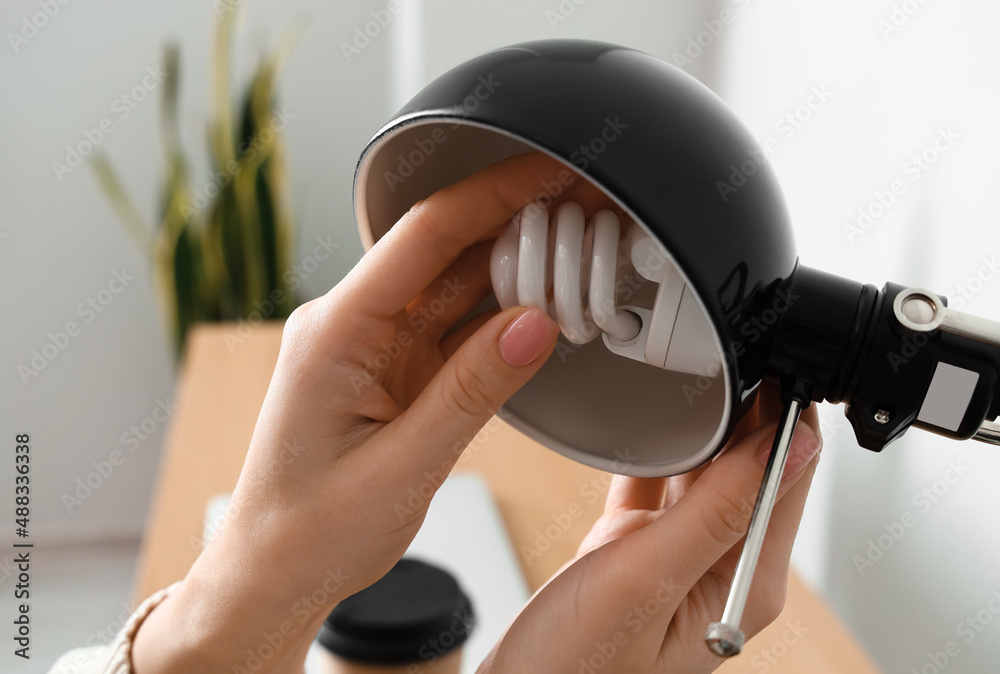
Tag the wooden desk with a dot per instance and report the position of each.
(220, 393)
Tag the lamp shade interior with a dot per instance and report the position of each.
(590, 404)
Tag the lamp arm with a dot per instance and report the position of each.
(897, 357)
(989, 433)
(922, 311)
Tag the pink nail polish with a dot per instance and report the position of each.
(526, 338)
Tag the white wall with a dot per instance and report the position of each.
(457, 29)
(62, 241)
(891, 92)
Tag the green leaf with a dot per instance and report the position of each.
(185, 288)
(126, 210)
(218, 262)
(221, 139)
(169, 125)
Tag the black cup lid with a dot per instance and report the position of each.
(416, 612)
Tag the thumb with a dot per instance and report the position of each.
(492, 364)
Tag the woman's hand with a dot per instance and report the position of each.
(373, 399)
(655, 570)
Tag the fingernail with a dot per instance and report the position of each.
(806, 443)
(527, 337)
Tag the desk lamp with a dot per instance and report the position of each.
(691, 281)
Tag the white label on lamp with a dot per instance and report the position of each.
(948, 397)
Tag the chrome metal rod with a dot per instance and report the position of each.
(922, 311)
(974, 327)
(988, 433)
(725, 638)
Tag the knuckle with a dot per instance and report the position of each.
(298, 321)
(729, 520)
(470, 395)
(447, 241)
(299, 331)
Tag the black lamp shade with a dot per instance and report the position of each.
(671, 155)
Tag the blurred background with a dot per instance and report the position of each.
(882, 116)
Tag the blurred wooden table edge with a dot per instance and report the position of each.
(547, 502)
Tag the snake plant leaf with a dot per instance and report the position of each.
(187, 308)
(263, 191)
(283, 226)
(244, 276)
(173, 241)
(221, 130)
(169, 125)
(120, 201)
(218, 252)
(268, 227)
